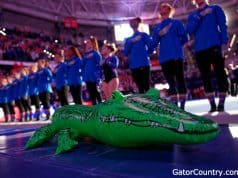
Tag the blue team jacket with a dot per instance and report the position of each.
(16, 89)
(44, 81)
(24, 86)
(33, 84)
(75, 71)
(209, 30)
(137, 48)
(171, 43)
(4, 94)
(92, 69)
(11, 92)
(61, 75)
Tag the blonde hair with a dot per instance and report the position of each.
(170, 7)
(194, 2)
(111, 47)
(75, 51)
(94, 42)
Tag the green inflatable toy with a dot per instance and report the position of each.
(126, 121)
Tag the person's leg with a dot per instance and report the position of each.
(169, 74)
(145, 77)
(91, 91)
(112, 86)
(72, 91)
(136, 75)
(78, 94)
(47, 107)
(236, 87)
(182, 90)
(6, 111)
(21, 108)
(37, 105)
(59, 94)
(219, 69)
(45, 99)
(64, 95)
(28, 104)
(35, 101)
(27, 108)
(97, 93)
(12, 112)
(204, 65)
(232, 87)
(105, 90)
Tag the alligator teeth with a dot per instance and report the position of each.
(181, 128)
(80, 118)
(112, 118)
(127, 121)
(102, 119)
(152, 124)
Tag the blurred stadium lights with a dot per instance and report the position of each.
(3, 33)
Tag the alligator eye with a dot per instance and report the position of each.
(181, 127)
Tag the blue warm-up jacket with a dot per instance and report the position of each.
(138, 47)
(4, 90)
(171, 43)
(33, 84)
(209, 30)
(44, 81)
(24, 86)
(75, 71)
(61, 75)
(92, 68)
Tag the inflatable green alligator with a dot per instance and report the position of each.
(126, 121)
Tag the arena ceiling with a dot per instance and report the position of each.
(102, 12)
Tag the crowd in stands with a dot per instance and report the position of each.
(19, 45)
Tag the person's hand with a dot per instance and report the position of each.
(205, 12)
(189, 44)
(84, 86)
(53, 84)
